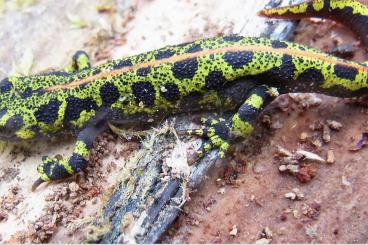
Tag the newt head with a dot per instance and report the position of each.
(12, 116)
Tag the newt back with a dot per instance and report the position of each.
(160, 80)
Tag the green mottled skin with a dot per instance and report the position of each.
(161, 74)
(160, 82)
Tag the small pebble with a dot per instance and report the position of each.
(334, 125)
(282, 168)
(299, 194)
(221, 190)
(296, 214)
(326, 135)
(330, 157)
(290, 195)
(263, 241)
(234, 231)
(268, 232)
(303, 136)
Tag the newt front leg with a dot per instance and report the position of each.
(52, 168)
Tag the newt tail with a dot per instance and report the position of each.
(350, 13)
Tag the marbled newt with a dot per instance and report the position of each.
(175, 78)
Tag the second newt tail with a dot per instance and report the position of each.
(350, 13)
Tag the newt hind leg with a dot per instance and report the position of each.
(219, 132)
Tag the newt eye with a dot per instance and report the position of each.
(11, 126)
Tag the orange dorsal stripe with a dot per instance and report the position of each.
(239, 48)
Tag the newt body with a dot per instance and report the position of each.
(166, 81)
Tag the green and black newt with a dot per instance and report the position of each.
(164, 81)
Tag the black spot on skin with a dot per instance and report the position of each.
(310, 10)
(278, 44)
(14, 122)
(143, 71)
(144, 92)
(164, 54)
(125, 102)
(55, 171)
(311, 75)
(35, 128)
(194, 48)
(194, 94)
(39, 92)
(76, 105)
(256, 40)
(116, 114)
(345, 72)
(95, 71)
(48, 113)
(170, 91)
(285, 72)
(185, 68)
(109, 94)
(232, 38)
(123, 63)
(214, 80)
(5, 85)
(261, 91)
(82, 75)
(309, 80)
(47, 169)
(27, 93)
(287, 68)
(77, 162)
(82, 86)
(141, 58)
(238, 59)
(222, 130)
(248, 113)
